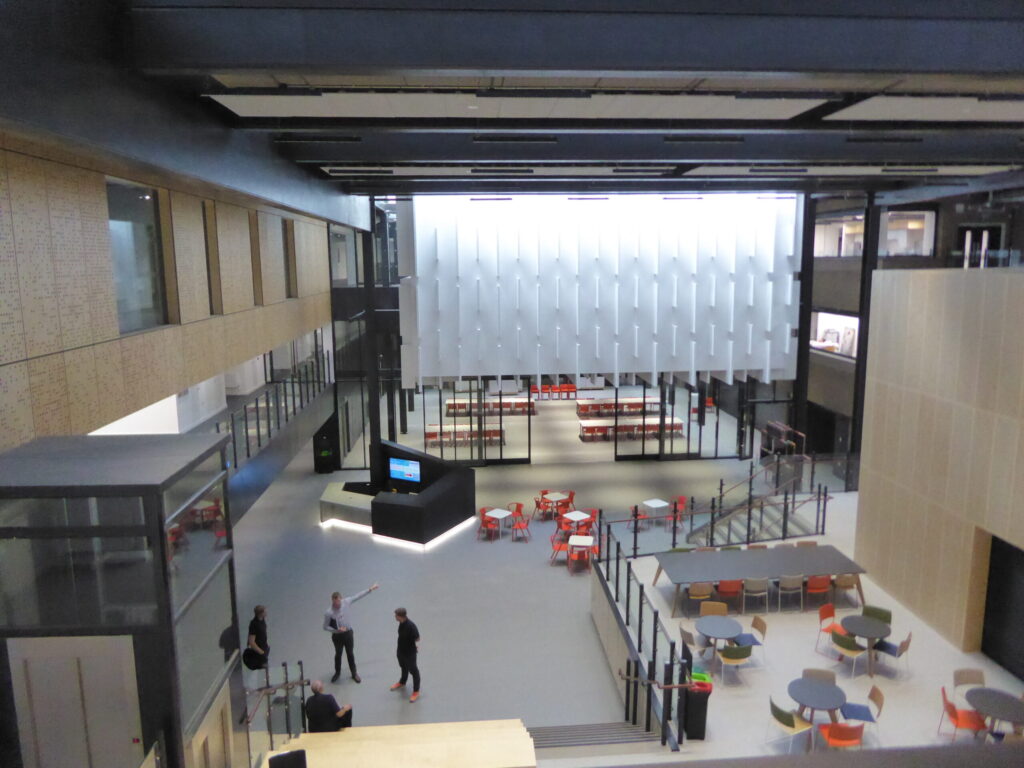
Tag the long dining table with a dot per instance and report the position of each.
(692, 567)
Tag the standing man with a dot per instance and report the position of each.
(408, 647)
(323, 712)
(338, 622)
(257, 649)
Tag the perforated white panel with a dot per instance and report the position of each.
(628, 284)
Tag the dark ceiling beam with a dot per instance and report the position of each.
(867, 128)
(797, 147)
(206, 36)
(996, 182)
(401, 186)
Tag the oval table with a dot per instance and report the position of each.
(996, 705)
(718, 628)
(870, 629)
(814, 694)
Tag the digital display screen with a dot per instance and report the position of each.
(404, 469)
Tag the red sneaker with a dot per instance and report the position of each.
(415, 695)
(396, 686)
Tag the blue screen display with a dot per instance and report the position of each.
(404, 469)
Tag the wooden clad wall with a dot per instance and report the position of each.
(64, 367)
(942, 463)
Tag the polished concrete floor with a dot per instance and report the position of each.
(508, 634)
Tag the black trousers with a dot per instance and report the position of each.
(408, 664)
(346, 641)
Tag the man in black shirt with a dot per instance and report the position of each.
(408, 647)
(257, 649)
(323, 712)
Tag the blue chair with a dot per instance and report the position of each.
(862, 712)
(757, 624)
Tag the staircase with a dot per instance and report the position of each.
(552, 737)
(731, 527)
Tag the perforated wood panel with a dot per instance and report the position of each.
(311, 257)
(235, 257)
(12, 331)
(942, 463)
(190, 257)
(16, 424)
(272, 264)
(26, 179)
(64, 368)
(50, 414)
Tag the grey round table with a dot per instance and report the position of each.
(718, 628)
(816, 694)
(996, 704)
(870, 629)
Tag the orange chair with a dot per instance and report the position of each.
(487, 524)
(827, 623)
(220, 534)
(516, 508)
(542, 506)
(727, 589)
(841, 735)
(642, 519)
(567, 504)
(962, 719)
(585, 528)
(818, 585)
(565, 527)
(558, 545)
(577, 555)
(520, 526)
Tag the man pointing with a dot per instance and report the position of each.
(338, 621)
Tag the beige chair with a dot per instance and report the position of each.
(699, 590)
(790, 722)
(964, 680)
(791, 585)
(862, 712)
(714, 608)
(845, 582)
(695, 642)
(755, 588)
(896, 651)
(824, 675)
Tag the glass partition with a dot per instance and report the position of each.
(60, 582)
(67, 512)
(184, 490)
(205, 640)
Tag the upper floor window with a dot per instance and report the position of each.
(137, 257)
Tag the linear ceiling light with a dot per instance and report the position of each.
(514, 138)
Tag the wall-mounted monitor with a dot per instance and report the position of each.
(404, 469)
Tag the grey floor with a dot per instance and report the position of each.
(507, 634)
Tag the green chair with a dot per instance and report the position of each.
(873, 611)
(790, 722)
(846, 646)
(734, 656)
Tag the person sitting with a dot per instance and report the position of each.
(323, 712)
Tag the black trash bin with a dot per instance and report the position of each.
(695, 716)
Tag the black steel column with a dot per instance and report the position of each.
(872, 224)
(803, 344)
(370, 361)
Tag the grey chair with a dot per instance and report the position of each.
(755, 588)
(790, 585)
(824, 675)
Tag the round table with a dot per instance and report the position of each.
(814, 694)
(718, 628)
(996, 704)
(870, 629)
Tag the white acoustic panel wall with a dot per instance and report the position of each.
(627, 284)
